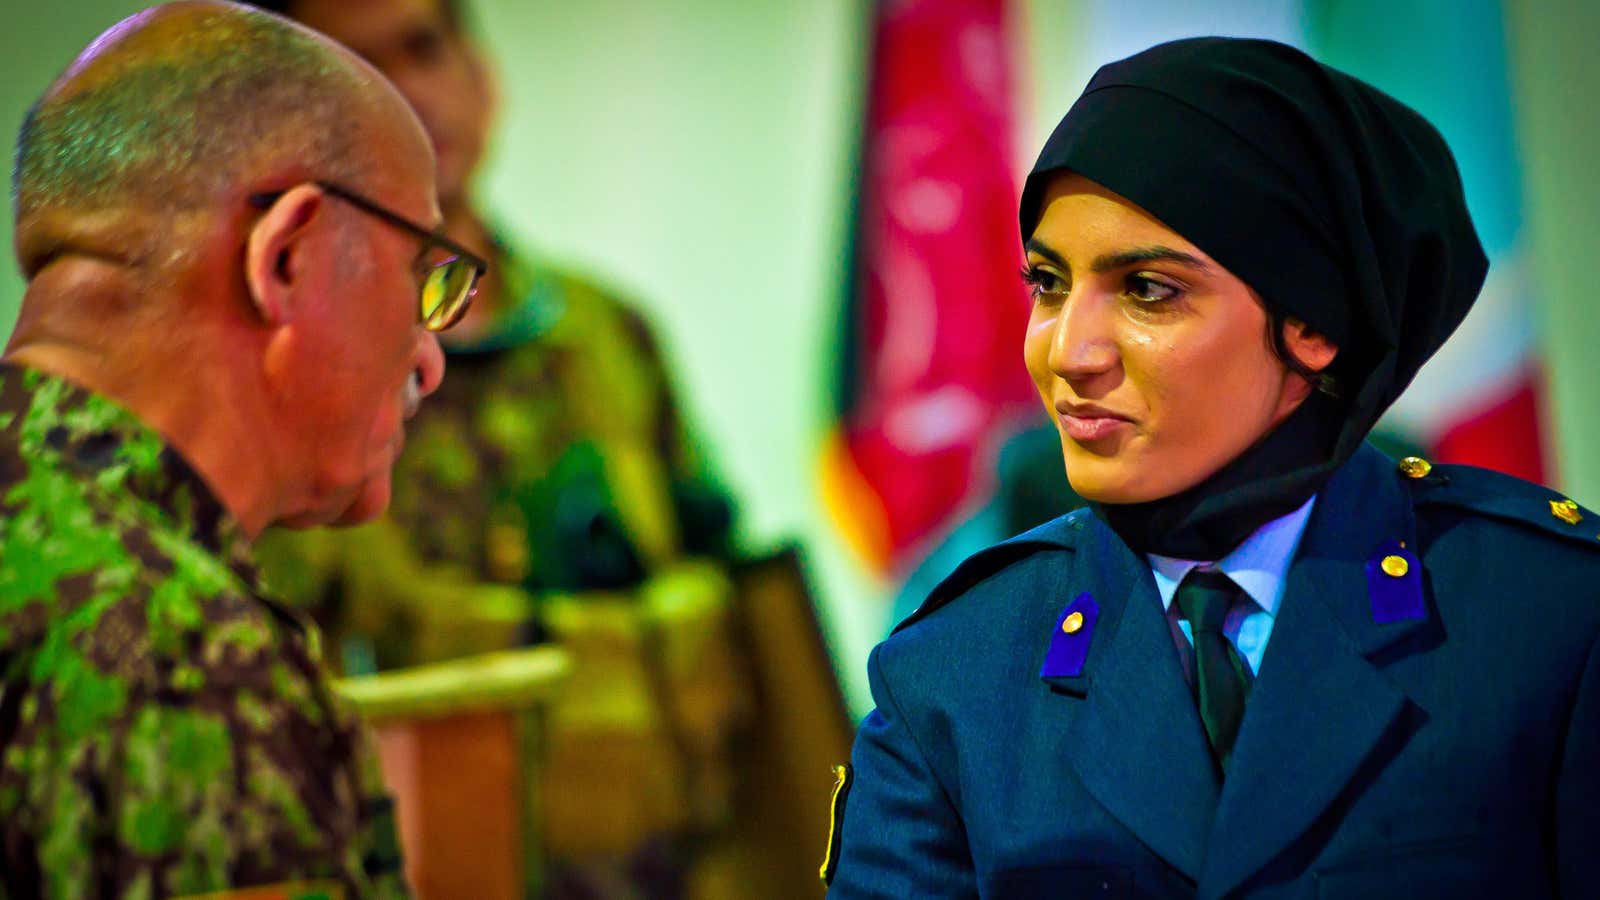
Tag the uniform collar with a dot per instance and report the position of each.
(1258, 566)
(1137, 743)
(60, 424)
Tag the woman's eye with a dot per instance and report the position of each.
(1041, 282)
(1145, 289)
(425, 46)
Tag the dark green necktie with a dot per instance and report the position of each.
(1221, 682)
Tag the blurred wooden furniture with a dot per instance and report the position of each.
(641, 738)
(457, 741)
(801, 728)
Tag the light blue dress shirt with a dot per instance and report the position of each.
(1258, 566)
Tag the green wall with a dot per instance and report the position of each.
(37, 42)
(1555, 77)
(695, 154)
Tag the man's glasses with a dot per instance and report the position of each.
(451, 279)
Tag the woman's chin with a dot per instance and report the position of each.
(1114, 482)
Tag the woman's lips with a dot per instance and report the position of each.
(1088, 427)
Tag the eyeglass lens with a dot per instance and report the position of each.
(445, 293)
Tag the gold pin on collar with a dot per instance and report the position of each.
(1566, 511)
(1415, 467)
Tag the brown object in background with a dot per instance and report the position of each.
(455, 741)
(801, 730)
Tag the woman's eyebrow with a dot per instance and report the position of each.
(1034, 246)
(1113, 261)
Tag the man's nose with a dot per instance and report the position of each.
(430, 363)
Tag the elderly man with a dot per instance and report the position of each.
(227, 226)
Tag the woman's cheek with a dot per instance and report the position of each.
(1036, 351)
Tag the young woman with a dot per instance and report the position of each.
(1267, 661)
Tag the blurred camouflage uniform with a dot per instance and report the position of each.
(549, 489)
(164, 728)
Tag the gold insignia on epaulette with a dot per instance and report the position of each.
(1415, 467)
(1566, 511)
(1072, 623)
(843, 775)
(1395, 566)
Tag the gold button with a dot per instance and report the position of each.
(1072, 623)
(1566, 511)
(1395, 566)
(1415, 467)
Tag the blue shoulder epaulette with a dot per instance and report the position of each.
(1055, 534)
(1500, 496)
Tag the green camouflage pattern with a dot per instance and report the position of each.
(552, 462)
(165, 729)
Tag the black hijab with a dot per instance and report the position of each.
(1338, 204)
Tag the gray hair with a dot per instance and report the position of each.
(168, 116)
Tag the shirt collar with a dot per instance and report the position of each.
(1258, 565)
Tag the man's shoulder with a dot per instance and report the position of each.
(590, 306)
(538, 277)
(94, 572)
(132, 601)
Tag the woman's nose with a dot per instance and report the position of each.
(1083, 345)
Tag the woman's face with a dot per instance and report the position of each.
(1152, 359)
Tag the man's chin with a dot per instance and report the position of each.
(370, 502)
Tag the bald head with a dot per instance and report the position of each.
(212, 213)
(173, 106)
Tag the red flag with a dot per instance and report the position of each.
(1503, 433)
(936, 312)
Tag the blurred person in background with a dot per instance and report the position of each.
(550, 490)
(226, 324)
(1268, 660)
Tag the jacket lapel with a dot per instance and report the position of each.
(1319, 707)
(1137, 743)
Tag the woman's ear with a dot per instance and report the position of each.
(1311, 349)
(275, 252)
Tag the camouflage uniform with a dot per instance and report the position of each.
(164, 728)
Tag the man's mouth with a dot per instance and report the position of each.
(411, 395)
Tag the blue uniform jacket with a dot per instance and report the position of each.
(1426, 721)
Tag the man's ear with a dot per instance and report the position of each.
(275, 252)
(1311, 348)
